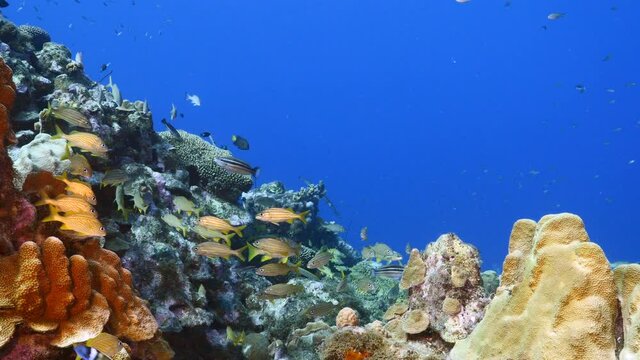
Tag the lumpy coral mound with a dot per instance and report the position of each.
(556, 300)
(74, 298)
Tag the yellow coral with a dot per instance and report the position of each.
(414, 272)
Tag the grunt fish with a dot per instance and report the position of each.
(321, 259)
(139, 203)
(215, 223)
(80, 166)
(79, 188)
(236, 166)
(319, 310)
(84, 141)
(183, 204)
(342, 285)
(113, 178)
(67, 204)
(213, 249)
(119, 200)
(365, 286)
(277, 269)
(174, 221)
(283, 290)
(271, 248)
(240, 142)
(213, 234)
(84, 224)
(381, 252)
(69, 115)
(278, 215)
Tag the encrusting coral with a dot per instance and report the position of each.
(557, 298)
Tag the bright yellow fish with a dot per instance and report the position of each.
(68, 204)
(83, 224)
(279, 215)
(84, 141)
(79, 188)
(214, 223)
(213, 249)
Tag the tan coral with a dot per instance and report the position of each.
(451, 306)
(557, 298)
(347, 317)
(415, 321)
(414, 272)
(627, 279)
(395, 310)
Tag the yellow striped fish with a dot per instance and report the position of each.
(70, 115)
(84, 141)
(215, 223)
(68, 204)
(79, 188)
(213, 249)
(279, 215)
(83, 224)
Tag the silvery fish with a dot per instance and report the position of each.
(236, 166)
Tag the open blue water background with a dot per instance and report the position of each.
(422, 117)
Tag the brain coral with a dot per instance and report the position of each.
(197, 156)
(49, 292)
(556, 300)
(347, 317)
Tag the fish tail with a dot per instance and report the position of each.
(59, 133)
(303, 216)
(67, 152)
(184, 231)
(284, 260)
(238, 230)
(53, 215)
(44, 199)
(265, 258)
(256, 171)
(253, 251)
(238, 253)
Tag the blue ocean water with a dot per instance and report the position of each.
(422, 117)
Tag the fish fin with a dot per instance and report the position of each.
(53, 215)
(256, 171)
(378, 259)
(44, 199)
(253, 251)
(274, 223)
(239, 253)
(184, 231)
(265, 258)
(284, 260)
(238, 230)
(303, 216)
(290, 221)
(59, 133)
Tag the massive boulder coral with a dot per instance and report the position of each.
(72, 298)
(197, 156)
(556, 300)
(42, 154)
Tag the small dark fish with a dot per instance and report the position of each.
(104, 67)
(3, 3)
(205, 134)
(390, 271)
(319, 309)
(237, 166)
(607, 57)
(173, 130)
(581, 88)
(240, 142)
(342, 285)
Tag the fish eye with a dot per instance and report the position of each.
(101, 228)
(85, 170)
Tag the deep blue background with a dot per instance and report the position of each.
(422, 117)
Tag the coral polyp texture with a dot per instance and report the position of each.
(48, 292)
(557, 298)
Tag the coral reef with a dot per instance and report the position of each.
(557, 298)
(627, 279)
(197, 156)
(42, 154)
(347, 317)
